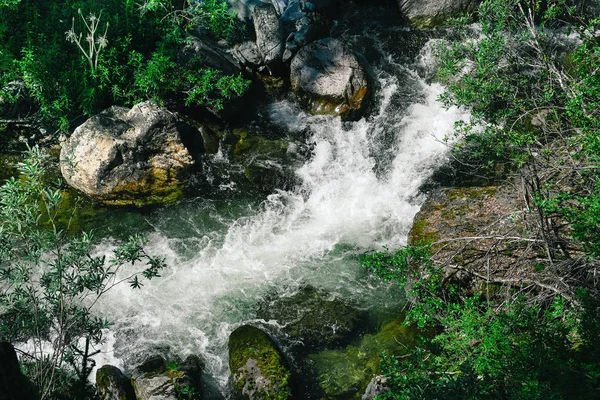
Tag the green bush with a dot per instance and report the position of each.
(78, 57)
(50, 281)
(482, 350)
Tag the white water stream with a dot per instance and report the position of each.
(358, 191)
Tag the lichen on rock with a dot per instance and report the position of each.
(128, 157)
(258, 369)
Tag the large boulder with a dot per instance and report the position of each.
(129, 157)
(156, 379)
(329, 79)
(312, 317)
(112, 384)
(428, 13)
(258, 369)
(268, 35)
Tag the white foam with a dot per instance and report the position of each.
(345, 199)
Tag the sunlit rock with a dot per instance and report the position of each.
(428, 13)
(329, 79)
(129, 157)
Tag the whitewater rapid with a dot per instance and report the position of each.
(357, 192)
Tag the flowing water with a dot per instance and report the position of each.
(357, 191)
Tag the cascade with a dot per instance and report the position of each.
(359, 190)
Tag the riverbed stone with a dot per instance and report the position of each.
(112, 384)
(329, 79)
(258, 369)
(131, 156)
(345, 374)
(157, 379)
(429, 13)
(312, 318)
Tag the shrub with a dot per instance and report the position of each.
(49, 283)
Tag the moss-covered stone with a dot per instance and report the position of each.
(157, 379)
(112, 384)
(312, 317)
(345, 374)
(258, 369)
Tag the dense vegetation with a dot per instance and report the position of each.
(78, 57)
(533, 96)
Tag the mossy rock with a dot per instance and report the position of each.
(157, 379)
(112, 384)
(258, 369)
(312, 317)
(345, 374)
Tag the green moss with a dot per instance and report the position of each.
(471, 192)
(248, 147)
(421, 232)
(248, 343)
(157, 188)
(345, 374)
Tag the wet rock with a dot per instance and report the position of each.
(377, 386)
(112, 384)
(428, 13)
(258, 369)
(329, 79)
(312, 317)
(157, 379)
(265, 161)
(209, 54)
(345, 374)
(128, 157)
(268, 35)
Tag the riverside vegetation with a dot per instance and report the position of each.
(534, 106)
(528, 331)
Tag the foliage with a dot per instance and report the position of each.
(80, 57)
(534, 99)
(49, 283)
(487, 351)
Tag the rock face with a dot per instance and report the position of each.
(258, 369)
(428, 13)
(128, 157)
(312, 317)
(329, 79)
(156, 379)
(113, 384)
(268, 35)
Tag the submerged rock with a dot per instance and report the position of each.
(428, 13)
(312, 317)
(329, 79)
(129, 157)
(345, 374)
(156, 379)
(112, 384)
(258, 369)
